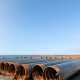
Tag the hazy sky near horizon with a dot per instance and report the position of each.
(40, 25)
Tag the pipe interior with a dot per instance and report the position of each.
(20, 70)
(6, 66)
(50, 73)
(37, 71)
(2, 65)
(12, 68)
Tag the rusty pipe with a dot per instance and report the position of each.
(61, 71)
(38, 68)
(20, 71)
(12, 68)
(2, 65)
(7, 67)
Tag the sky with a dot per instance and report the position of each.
(39, 26)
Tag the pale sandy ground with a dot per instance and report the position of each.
(5, 78)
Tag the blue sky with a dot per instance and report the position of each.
(40, 25)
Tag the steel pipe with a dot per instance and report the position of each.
(31, 65)
(61, 71)
(7, 67)
(12, 68)
(29, 61)
(38, 68)
(20, 70)
(2, 65)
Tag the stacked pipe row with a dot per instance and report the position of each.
(40, 70)
(56, 72)
(12, 69)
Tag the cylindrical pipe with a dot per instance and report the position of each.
(62, 71)
(29, 61)
(39, 67)
(50, 74)
(7, 67)
(12, 68)
(37, 70)
(2, 65)
(20, 71)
